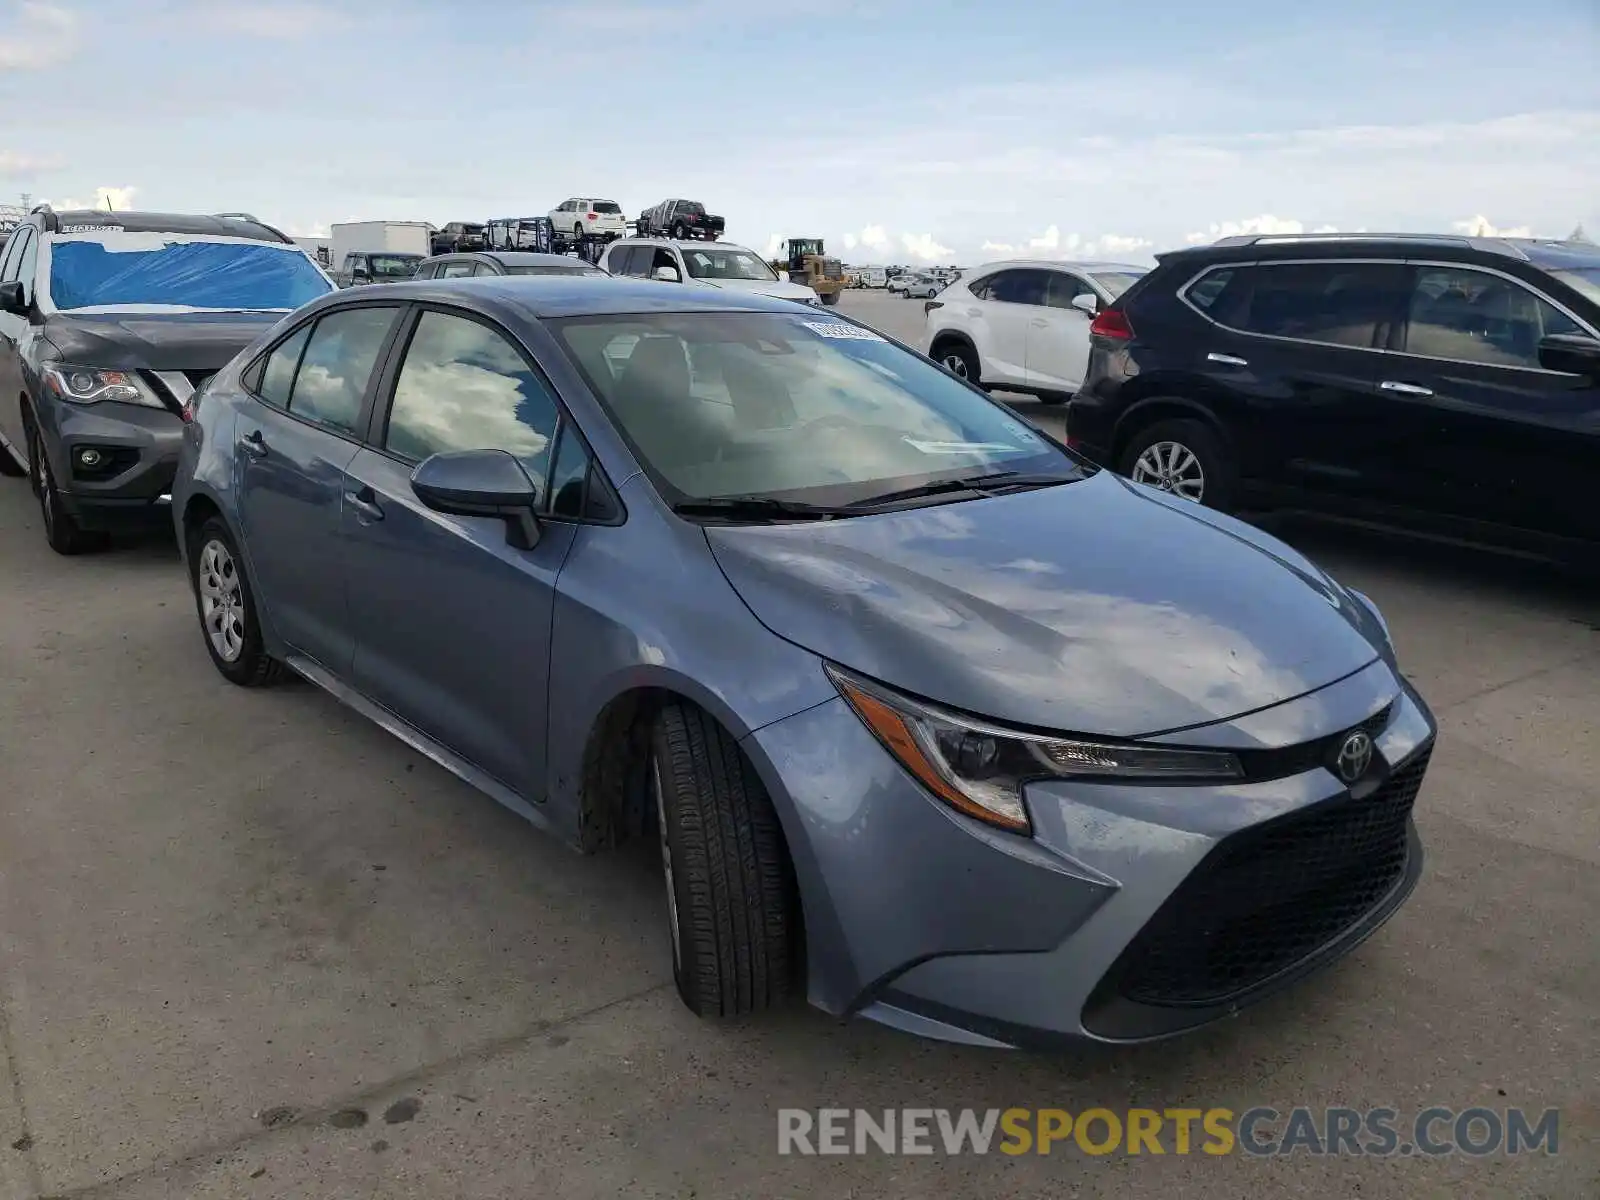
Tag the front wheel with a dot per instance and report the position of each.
(731, 897)
(830, 297)
(1185, 458)
(959, 359)
(227, 608)
(61, 529)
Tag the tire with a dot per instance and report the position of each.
(679, 233)
(731, 894)
(249, 665)
(1054, 399)
(1218, 472)
(830, 298)
(959, 359)
(61, 529)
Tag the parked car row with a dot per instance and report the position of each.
(1447, 386)
(826, 623)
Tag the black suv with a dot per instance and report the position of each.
(1447, 385)
(680, 219)
(109, 324)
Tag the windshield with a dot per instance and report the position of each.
(718, 263)
(1116, 282)
(395, 266)
(575, 269)
(153, 270)
(733, 404)
(1584, 279)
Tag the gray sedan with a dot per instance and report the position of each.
(934, 723)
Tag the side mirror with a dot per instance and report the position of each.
(12, 298)
(1086, 304)
(481, 483)
(1569, 352)
(665, 274)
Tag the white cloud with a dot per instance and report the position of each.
(1481, 226)
(1053, 244)
(874, 237)
(923, 246)
(286, 22)
(774, 246)
(121, 199)
(41, 36)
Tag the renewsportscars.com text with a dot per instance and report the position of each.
(1261, 1131)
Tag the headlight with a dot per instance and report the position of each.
(980, 769)
(90, 385)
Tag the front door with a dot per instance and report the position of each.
(1012, 298)
(1058, 336)
(15, 333)
(291, 449)
(1510, 443)
(453, 622)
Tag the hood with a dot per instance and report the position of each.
(776, 288)
(157, 341)
(1087, 608)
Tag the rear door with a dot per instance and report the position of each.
(1058, 335)
(291, 449)
(1508, 442)
(1292, 360)
(453, 621)
(1007, 301)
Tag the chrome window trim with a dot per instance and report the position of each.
(1183, 297)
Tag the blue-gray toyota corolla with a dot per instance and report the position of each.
(933, 721)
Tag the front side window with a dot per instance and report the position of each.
(1335, 303)
(338, 364)
(1064, 289)
(716, 262)
(165, 271)
(13, 251)
(464, 386)
(664, 258)
(1473, 316)
(28, 263)
(732, 404)
(455, 270)
(394, 266)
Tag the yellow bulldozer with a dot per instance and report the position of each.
(806, 262)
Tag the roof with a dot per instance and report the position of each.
(517, 258)
(542, 296)
(181, 223)
(696, 243)
(1548, 253)
(1072, 264)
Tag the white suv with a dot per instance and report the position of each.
(701, 264)
(581, 215)
(1023, 326)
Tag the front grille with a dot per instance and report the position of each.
(1271, 896)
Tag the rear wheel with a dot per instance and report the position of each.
(1185, 458)
(227, 608)
(830, 297)
(730, 888)
(959, 359)
(680, 232)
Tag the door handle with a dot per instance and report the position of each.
(1227, 360)
(1405, 389)
(366, 505)
(254, 444)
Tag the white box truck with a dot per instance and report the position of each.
(377, 251)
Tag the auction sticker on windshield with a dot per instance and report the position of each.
(848, 333)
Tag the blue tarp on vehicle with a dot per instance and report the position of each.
(189, 274)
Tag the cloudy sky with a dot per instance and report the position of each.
(900, 130)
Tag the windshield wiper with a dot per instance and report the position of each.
(760, 508)
(987, 484)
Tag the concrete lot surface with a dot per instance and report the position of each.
(252, 946)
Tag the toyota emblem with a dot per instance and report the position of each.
(1355, 756)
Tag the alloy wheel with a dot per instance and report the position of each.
(221, 600)
(955, 364)
(1172, 467)
(42, 483)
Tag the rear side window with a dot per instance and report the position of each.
(1334, 303)
(338, 364)
(277, 375)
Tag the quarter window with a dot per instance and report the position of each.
(277, 376)
(464, 386)
(1472, 316)
(338, 364)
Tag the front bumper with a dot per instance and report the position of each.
(138, 449)
(1133, 913)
